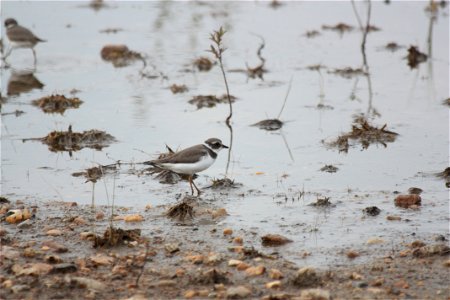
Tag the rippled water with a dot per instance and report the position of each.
(144, 115)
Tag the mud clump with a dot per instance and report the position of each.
(115, 236)
(306, 277)
(224, 183)
(175, 88)
(119, 55)
(415, 57)
(181, 210)
(322, 202)
(56, 103)
(371, 211)
(329, 169)
(75, 141)
(203, 64)
(271, 240)
(209, 101)
(431, 250)
(364, 134)
(269, 124)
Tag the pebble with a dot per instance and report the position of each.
(99, 216)
(238, 292)
(234, 262)
(275, 274)
(242, 266)
(374, 241)
(25, 224)
(274, 240)
(238, 240)
(19, 288)
(315, 294)
(54, 232)
(64, 268)
(172, 248)
(190, 294)
(227, 231)
(273, 284)
(393, 218)
(407, 201)
(306, 277)
(255, 271)
(352, 254)
(88, 283)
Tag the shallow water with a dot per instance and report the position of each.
(144, 115)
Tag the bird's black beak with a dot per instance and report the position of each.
(223, 146)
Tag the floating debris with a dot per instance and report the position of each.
(415, 57)
(329, 169)
(259, 70)
(56, 103)
(393, 46)
(111, 30)
(75, 141)
(16, 113)
(120, 55)
(372, 211)
(269, 124)
(340, 27)
(365, 134)
(415, 190)
(312, 34)
(114, 236)
(348, 72)
(178, 88)
(181, 210)
(203, 64)
(209, 100)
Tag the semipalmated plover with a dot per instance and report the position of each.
(20, 37)
(191, 160)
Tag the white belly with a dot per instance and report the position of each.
(190, 169)
(16, 45)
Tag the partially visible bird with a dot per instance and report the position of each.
(20, 37)
(191, 160)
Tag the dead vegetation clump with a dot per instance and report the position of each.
(364, 134)
(202, 101)
(120, 55)
(312, 33)
(116, 236)
(348, 72)
(203, 64)
(340, 27)
(175, 88)
(329, 169)
(57, 103)
(392, 46)
(415, 57)
(212, 276)
(322, 202)
(74, 141)
(181, 210)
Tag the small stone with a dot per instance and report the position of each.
(99, 216)
(447, 263)
(165, 282)
(417, 244)
(101, 260)
(238, 240)
(195, 259)
(275, 274)
(87, 283)
(214, 258)
(190, 294)
(25, 224)
(54, 232)
(306, 277)
(234, 262)
(133, 218)
(352, 254)
(29, 252)
(53, 259)
(379, 281)
(255, 271)
(227, 231)
(64, 268)
(372, 211)
(430, 250)
(374, 241)
(19, 288)
(87, 235)
(238, 292)
(221, 212)
(171, 248)
(7, 284)
(242, 266)
(274, 240)
(79, 221)
(273, 284)
(356, 276)
(406, 201)
(315, 294)
(393, 218)
(415, 190)
(404, 253)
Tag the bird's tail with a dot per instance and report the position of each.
(40, 40)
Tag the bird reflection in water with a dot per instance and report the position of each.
(22, 81)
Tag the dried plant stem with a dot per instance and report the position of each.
(285, 98)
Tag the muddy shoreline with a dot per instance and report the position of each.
(52, 257)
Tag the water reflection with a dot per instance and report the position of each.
(22, 81)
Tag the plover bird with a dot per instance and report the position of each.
(191, 160)
(20, 37)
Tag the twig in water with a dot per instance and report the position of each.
(143, 264)
(285, 98)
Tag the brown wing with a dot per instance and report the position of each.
(21, 34)
(186, 156)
